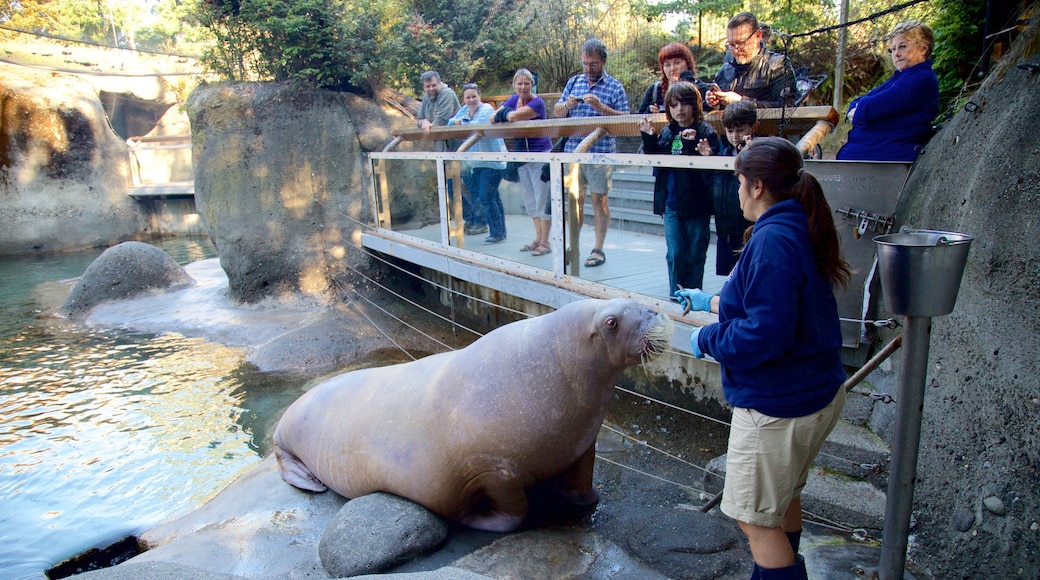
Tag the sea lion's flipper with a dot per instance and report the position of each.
(295, 473)
(575, 482)
(501, 504)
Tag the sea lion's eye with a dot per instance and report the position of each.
(611, 322)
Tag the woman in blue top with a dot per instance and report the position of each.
(527, 106)
(893, 121)
(778, 342)
(482, 178)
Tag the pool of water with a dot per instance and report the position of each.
(105, 433)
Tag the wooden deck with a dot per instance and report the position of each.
(635, 260)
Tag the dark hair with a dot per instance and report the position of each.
(778, 164)
(595, 47)
(670, 51)
(430, 75)
(743, 18)
(469, 86)
(684, 93)
(739, 114)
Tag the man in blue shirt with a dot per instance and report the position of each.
(593, 93)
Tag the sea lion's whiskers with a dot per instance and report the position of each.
(657, 338)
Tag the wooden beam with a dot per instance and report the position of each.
(799, 120)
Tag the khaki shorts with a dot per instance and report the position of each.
(769, 459)
(593, 178)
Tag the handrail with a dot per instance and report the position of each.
(812, 122)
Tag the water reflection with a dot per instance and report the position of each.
(105, 433)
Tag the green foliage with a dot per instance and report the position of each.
(958, 44)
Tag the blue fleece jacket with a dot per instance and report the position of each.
(778, 338)
(893, 120)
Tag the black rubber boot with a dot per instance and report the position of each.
(796, 539)
(793, 572)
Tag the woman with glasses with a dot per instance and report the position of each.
(893, 121)
(753, 74)
(482, 178)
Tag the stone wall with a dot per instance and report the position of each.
(63, 171)
(977, 502)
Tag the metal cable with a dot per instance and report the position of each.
(661, 451)
(650, 475)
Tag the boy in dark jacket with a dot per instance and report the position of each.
(683, 196)
(741, 121)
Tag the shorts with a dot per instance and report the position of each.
(769, 459)
(594, 178)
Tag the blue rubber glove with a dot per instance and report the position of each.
(694, 299)
(697, 352)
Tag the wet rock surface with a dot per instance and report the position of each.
(124, 271)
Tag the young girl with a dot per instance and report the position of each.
(683, 196)
(778, 341)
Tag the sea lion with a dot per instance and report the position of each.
(464, 433)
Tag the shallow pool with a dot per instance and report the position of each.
(105, 433)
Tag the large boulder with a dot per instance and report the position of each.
(980, 435)
(63, 171)
(124, 271)
(279, 181)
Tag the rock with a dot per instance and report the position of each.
(258, 527)
(964, 520)
(994, 505)
(124, 271)
(555, 553)
(376, 532)
(279, 183)
(154, 571)
(340, 336)
(63, 171)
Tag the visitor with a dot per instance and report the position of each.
(482, 178)
(675, 59)
(893, 121)
(593, 93)
(683, 196)
(754, 73)
(741, 122)
(525, 105)
(439, 103)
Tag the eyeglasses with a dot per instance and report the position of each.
(742, 43)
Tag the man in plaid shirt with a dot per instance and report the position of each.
(591, 94)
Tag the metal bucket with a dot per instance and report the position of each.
(921, 270)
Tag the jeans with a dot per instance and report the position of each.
(687, 243)
(472, 213)
(486, 181)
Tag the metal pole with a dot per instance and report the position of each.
(906, 442)
(839, 61)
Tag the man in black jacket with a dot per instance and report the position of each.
(754, 74)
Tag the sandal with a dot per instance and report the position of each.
(596, 258)
(530, 247)
(541, 250)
